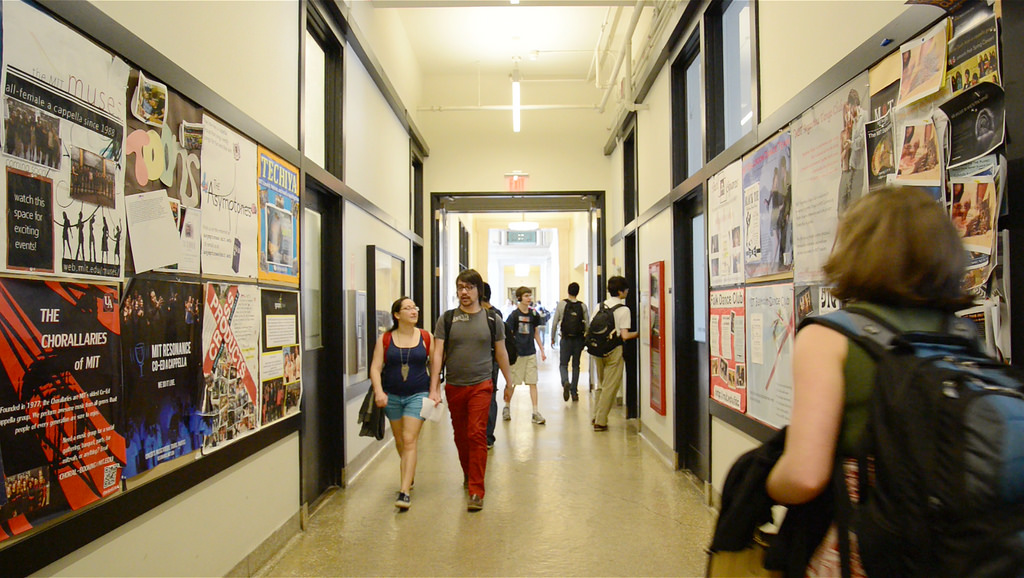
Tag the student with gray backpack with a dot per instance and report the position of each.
(570, 322)
(604, 343)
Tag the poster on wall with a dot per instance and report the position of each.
(812, 300)
(923, 65)
(230, 222)
(767, 208)
(656, 304)
(279, 218)
(60, 393)
(770, 332)
(63, 149)
(728, 349)
(977, 122)
(280, 356)
(972, 57)
(829, 159)
(725, 226)
(162, 358)
(231, 341)
(162, 150)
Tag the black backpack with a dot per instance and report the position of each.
(510, 337)
(601, 336)
(572, 319)
(946, 436)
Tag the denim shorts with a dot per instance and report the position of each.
(404, 405)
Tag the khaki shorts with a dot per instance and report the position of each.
(525, 370)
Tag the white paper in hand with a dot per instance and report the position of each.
(431, 412)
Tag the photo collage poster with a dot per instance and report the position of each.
(725, 226)
(829, 173)
(63, 149)
(59, 399)
(230, 223)
(280, 356)
(279, 218)
(771, 329)
(163, 151)
(728, 349)
(162, 353)
(231, 341)
(767, 208)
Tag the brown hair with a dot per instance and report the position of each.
(523, 291)
(896, 246)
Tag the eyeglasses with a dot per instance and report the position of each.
(460, 288)
(413, 308)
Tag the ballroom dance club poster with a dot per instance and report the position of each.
(59, 395)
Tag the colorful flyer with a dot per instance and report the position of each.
(725, 226)
(771, 328)
(728, 349)
(279, 218)
(280, 356)
(767, 208)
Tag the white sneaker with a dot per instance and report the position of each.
(538, 418)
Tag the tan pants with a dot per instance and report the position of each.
(609, 380)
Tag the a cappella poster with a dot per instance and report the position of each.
(280, 356)
(162, 352)
(231, 341)
(230, 223)
(62, 187)
(59, 397)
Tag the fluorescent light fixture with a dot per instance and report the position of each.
(521, 270)
(523, 226)
(515, 101)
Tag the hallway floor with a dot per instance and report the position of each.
(562, 500)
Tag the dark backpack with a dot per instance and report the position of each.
(946, 435)
(511, 324)
(572, 319)
(601, 336)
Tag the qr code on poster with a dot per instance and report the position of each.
(110, 475)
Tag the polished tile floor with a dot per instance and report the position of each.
(562, 500)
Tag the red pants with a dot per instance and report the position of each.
(469, 405)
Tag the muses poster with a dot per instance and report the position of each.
(63, 149)
(59, 395)
(231, 340)
(280, 356)
(161, 325)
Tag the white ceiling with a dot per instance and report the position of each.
(553, 40)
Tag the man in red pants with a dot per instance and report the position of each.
(463, 338)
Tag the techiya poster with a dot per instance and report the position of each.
(767, 206)
(725, 226)
(280, 356)
(163, 147)
(59, 396)
(829, 161)
(230, 224)
(231, 336)
(162, 353)
(770, 332)
(63, 149)
(728, 349)
(279, 218)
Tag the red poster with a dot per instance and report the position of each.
(728, 351)
(657, 305)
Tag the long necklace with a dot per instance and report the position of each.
(405, 362)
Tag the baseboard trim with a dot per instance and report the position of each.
(255, 561)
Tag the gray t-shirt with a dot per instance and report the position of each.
(468, 348)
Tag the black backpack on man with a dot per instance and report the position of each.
(601, 336)
(572, 319)
(941, 467)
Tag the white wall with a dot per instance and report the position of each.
(799, 40)
(205, 532)
(654, 143)
(244, 50)
(655, 244)
(376, 145)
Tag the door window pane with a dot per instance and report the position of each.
(311, 280)
(700, 292)
(314, 102)
(739, 112)
(694, 130)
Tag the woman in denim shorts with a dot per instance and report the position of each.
(400, 384)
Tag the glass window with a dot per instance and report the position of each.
(687, 115)
(694, 132)
(736, 70)
(314, 103)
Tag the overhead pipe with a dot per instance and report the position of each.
(637, 10)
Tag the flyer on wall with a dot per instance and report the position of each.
(725, 226)
(728, 349)
(158, 157)
(767, 208)
(829, 159)
(977, 118)
(64, 127)
(280, 356)
(162, 353)
(814, 300)
(881, 151)
(924, 65)
(973, 57)
(279, 218)
(59, 397)
(770, 332)
(230, 222)
(231, 338)
(656, 307)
